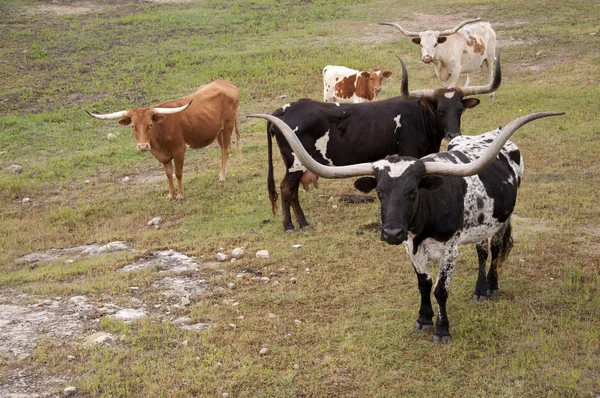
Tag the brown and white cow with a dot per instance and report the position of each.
(351, 86)
(194, 121)
(462, 49)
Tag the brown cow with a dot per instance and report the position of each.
(345, 85)
(168, 129)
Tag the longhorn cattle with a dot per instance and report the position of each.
(343, 134)
(194, 121)
(345, 85)
(435, 203)
(462, 49)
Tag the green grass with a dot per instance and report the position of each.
(359, 303)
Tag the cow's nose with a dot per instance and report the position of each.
(143, 147)
(451, 136)
(377, 90)
(393, 236)
(427, 59)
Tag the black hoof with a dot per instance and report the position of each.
(441, 339)
(479, 299)
(423, 327)
(493, 293)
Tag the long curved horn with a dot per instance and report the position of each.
(108, 116)
(401, 29)
(418, 94)
(477, 166)
(169, 111)
(449, 32)
(317, 168)
(492, 86)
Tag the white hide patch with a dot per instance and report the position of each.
(283, 108)
(297, 165)
(337, 104)
(321, 146)
(398, 125)
(395, 169)
(449, 94)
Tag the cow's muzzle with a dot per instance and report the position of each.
(450, 136)
(393, 236)
(427, 59)
(143, 147)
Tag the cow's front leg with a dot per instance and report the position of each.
(481, 286)
(289, 197)
(455, 75)
(169, 172)
(441, 334)
(425, 321)
(178, 160)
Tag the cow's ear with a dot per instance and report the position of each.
(427, 104)
(470, 102)
(365, 74)
(126, 121)
(365, 184)
(431, 182)
(387, 73)
(158, 118)
(442, 39)
(416, 40)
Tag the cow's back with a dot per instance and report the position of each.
(213, 106)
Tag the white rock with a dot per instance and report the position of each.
(69, 391)
(238, 252)
(235, 304)
(225, 395)
(297, 321)
(233, 325)
(70, 357)
(233, 260)
(26, 200)
(110, 136)
(293, 280)
(185, 301)
(263, 351)
(296, 366)
(69, 261)
(101, 338)
(262, 254)
(184, 320)
(241, 317)
(218, 364)
(125, 179)
(184, 342)
(15, 168)
(296, 246)
(129, 315)
(334, 206)
(265, 279)
(231, 285)
(276, 283)
(155, 221)
(221, 257)
(272, 316)
(87, 181)
(307, 271)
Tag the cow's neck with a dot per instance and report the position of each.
(433, 132)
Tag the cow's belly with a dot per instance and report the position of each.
(201, 139)
(470, 63)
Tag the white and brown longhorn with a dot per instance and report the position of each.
(438, 202)
(460, 50)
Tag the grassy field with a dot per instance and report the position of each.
(348, 324)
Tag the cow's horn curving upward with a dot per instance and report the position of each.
(477, 166)
(108, 116)
(492, 86)
(417, 94)
(449, 32)
(307, 161)
(169, 111)
(401, 29)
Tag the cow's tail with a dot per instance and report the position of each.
(238, 140)
(502, 243)
(270, 179)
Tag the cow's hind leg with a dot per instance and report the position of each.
(481, 287)
(178, 160)
(501, 246)
(289, 198)
(441, 334)
(224, 140)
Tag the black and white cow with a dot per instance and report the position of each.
(342, 134)
(438, 202)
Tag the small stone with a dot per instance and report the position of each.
(15, 168)
(154, 221)
(225, 395)
(276, 283)
(262, 254)
(233, 325)
(265, 279)
(125, 179)
(101, 338)
(296, 246)
(129, 315)
(307, 271)
(184, 320)
(334, 206)
(263, 351)
(241, 317)
(231, 285)
(134, 288)
(185, 301)
(238, 252)
(184, 342)
(235, 304)
(221, 257)
(26, 200)
(233, 260)
(272, 316)
(256, 278)
(87, 181)
(218, 364)
(297, 321)
(69, 391)
(110, 136)
(70, 357)
(69, 261)
(296, 366)
(293, 280)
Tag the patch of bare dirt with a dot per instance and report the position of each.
(67, 9)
